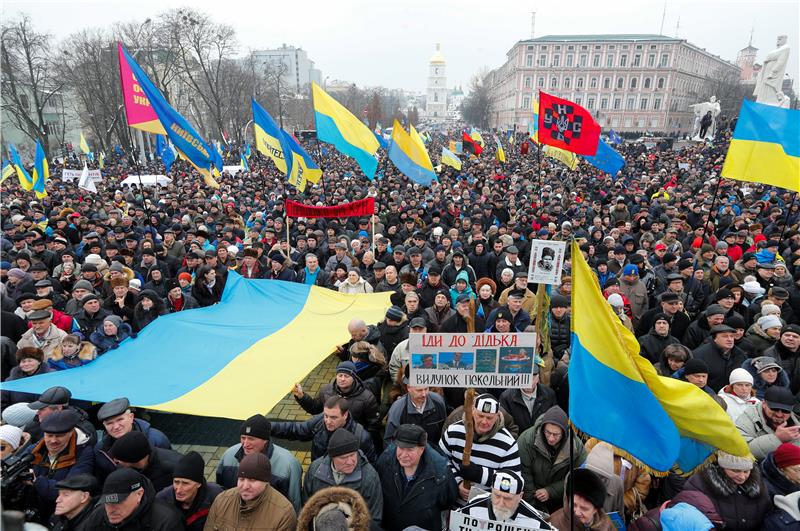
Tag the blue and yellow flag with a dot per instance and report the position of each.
(243, 161)
(476, 136)
(101, 160)
(409, 155)
(765, 147)
(164, 151)
(8, 171)
(247, 153)
(270, 140)
(616, 395)
(567, 158)
(41, 171)
(180, 132)
(85, 148)
(336, 125)
(533, 126)
(500, 155)
(450, 159)
(511, 138)
(304, 169)
(231, 357)
(25, 180)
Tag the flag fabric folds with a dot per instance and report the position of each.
(567, 125)
(25, 180)
(360, 208)
(180, 132)
(224, 368)
(533, 126)
(303, 169)
(606, 159)
(408, 153)
(765, 146)
(336, 125)
(617, 396)
(164, 151)
(614, 137)
(499, 154)
(476, 136)
(567, 158)
(243, 160)
(84, 146)
(8, 171)
(86, 182)
(41, 171)
(470, 146)
(450, 159)
(270, 140)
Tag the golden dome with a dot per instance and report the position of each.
(438, 58)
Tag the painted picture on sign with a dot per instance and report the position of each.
(516, 360)
(423, 361)
(455, 361)
(486, 360)
(547, 261)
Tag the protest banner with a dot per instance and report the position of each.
(547, 261)
(232, 169)
(465, 522)
(472, 360)
(72, 175)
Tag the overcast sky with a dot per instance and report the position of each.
(389, 43)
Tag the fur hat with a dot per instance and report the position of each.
(30, 352)
(319, 513)
(408, 278)
(733, 462)
(589, 486)
(116, 282)
(486, 282)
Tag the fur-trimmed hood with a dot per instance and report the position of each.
(360, 520)
(375, 354)
(720, 485)
(87, 352)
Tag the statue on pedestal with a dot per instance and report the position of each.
(705, 119)
(769, 85)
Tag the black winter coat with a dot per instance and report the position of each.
(776, 482)
(560, 335)
(719, 365)
(314, 430)
(194, 518)
(653, 345)
(790, 361)
(511, 401)
(150, 515)
(363, 405)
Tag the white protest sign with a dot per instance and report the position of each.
(232, 169)
(472, 360)
(71, 175)
(547, 261)
(465, 522)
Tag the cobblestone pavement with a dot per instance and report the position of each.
(210, 436)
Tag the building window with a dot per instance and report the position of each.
(615, 122)
(643, 104)
(651, 60)
(530, 47)
(528, 81)
(628, 122)
(607, 83)
(634, 82)
(661, 82)
(637, 60)
(609, 60)
(542, 60)
(640, 122)
(556, 60)
(570, 47)
(604, 103)
(558, 48)
(584, 59)
(553, 82)
(541, 82)
(435, 96)
(579, 83)
(567, 82)
(593, 83)
(620, 82)
(654, 122)
(657, 104)
(647, 82)
(529, 60)
(544, 47)
(623, 60)
(570, 59)
(596, 60)
(631, 104)
(579, 100)
(638, 46)
(584, 47)
(526, 102)
(617, 103)
(590, 103)
(664, 60)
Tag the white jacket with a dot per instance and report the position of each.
(735, 405)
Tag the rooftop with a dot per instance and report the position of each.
(604, 37)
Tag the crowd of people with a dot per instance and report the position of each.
(705, 274)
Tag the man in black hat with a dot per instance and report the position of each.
(92, 314)
(52, 400)
(133, 450)
(345, 466)
(74, 503)
(407, 469)
(520, 284)
(721, 355)
(190, 493)
(588, 498)
(505, 504)
(520, 319)
(118, 420)
(460, 322)
(128, 502)
(458, 263)
(770, 424)
(64, 451)
(670, 305)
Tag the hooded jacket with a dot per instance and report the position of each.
(786, 515)
(86, 353)
(142, 317)
(454, 293)
(104, 343)
(777, 484)
(335, 496)
(150, 515)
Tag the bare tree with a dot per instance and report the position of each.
(29, 82)
(477, 106)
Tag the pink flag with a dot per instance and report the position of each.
(137, 107)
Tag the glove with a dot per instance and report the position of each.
(471, 472)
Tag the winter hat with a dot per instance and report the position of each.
(589, 486)
(736, 321)
(616, 300)
(733, 462)
(347, 367)
(715, 309)
(16, 272)
(769, 321)
(394, 314)
(256, 426)
(559, 301)
(192, 467)
(770, 309)
(658, 317)
(135, 283)
(83, 284)
(630, 269)
(185, 276)
(18, 414)
(753, 288)
(740, 376)
(30, 352)
(695, 366)
(786, 455)
(342, 442)
(11, 434)
(255, 466)
(762, 363)
(116, 320)
(117, 282)
(131, 447)
(683, 517)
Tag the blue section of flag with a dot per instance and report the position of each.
(164, 151)
(606, 159)
(382, 141)
(614, 137)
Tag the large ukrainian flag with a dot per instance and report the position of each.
(336, 125)
(616, 395)
(270, 140)
(228, 360)
(408, 153)
(765, 147)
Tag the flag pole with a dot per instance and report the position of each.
(711, 210)
(786, 219)
(319, 146)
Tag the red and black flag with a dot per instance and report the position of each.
(470, 146)
(566, 125)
